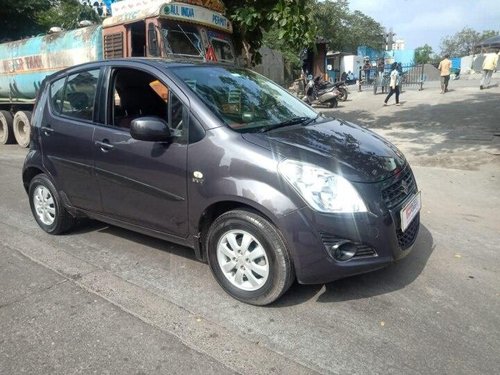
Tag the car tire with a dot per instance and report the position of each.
(248, 257)
(22, 128)
(47, 207)
(6, 132)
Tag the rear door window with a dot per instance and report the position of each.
(74, 96)
(57, 95)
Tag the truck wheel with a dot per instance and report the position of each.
(22, 128)
(47, 207)
(248, 257)
(6, 132)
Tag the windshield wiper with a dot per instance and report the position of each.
(289, 122)
(310, 120)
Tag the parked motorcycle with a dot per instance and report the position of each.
(317, 93)
(340, 86)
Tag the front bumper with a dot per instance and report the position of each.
(377, 234)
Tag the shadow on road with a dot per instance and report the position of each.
(463, 125)
(387, 280)
(88, 225)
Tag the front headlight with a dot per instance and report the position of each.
(323, 190)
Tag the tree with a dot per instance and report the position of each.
(25, 18)
(346, 30)
(423, 54)
(463, 42)
(289, 19)
(67, 14)
(18, 18)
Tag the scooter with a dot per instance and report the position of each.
(340, 86)
(317, 95)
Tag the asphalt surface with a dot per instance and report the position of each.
(106, 300)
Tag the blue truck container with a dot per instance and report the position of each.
(25, 63)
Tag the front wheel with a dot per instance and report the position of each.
(248, 257)
(47, 207)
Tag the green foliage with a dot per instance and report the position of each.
(67, 14)
(346, 30)
(25, 18)
(423, 54)
(289, 21)
(18, 18)
(463, 43)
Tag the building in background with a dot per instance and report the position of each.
(398, 45)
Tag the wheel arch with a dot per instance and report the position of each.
(214, 210)
(28, 174)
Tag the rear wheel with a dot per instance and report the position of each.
(343, 94)
(6, 132)
(22, 128)
(333, 103)
(47, 207)
(248, 257)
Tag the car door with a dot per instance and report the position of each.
(142, 183)
(66, 136)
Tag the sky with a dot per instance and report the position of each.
(427, 21)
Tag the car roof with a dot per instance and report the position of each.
(160, 63)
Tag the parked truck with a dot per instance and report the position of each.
(181, 29)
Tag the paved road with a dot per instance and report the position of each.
(103, 299)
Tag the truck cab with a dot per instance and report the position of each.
(174, 30)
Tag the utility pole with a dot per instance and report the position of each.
(389, 39)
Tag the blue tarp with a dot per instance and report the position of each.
(455, 62)
(404, 57)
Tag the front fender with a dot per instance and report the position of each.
(255, 194)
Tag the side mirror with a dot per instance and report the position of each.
(151, 129)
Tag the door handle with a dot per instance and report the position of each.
(47, 130)
(105, 145)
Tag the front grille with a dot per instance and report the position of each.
(362, 250)
(408, 237)
(396, 193)
(113, 45)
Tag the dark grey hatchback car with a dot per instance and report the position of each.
(224, 161)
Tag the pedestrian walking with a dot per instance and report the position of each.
(394, 84)
(489, 65)
(445, 68)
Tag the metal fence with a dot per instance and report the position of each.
(411, 75)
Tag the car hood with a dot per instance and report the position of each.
(344, 148)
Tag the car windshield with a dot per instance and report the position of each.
(244, 100)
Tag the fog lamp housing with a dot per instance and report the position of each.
(343, 251)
